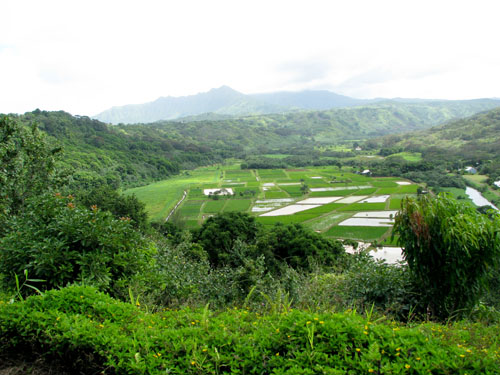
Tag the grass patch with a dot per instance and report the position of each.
(409, 156)
(271, 194)
(384, 183)
(395, 204)
(407, 189)
(288, 219)
(293, 190)
(237, 205)
(161, 197)
(357, 233)
(213, 206)
(191, 208)
(363, 207)
(335, 193)
(367, 191)
(388, 190)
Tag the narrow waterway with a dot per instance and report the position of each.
(477, 198)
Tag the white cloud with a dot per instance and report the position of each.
(85, 56)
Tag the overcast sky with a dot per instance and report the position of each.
(86, 56)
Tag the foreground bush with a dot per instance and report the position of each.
(89, 330)
(450, 247)
(61, 243)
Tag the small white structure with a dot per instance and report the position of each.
(497, 183)
(218, 191)
(366, 172)
(471, 170)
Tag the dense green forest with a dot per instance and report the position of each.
(88, 284)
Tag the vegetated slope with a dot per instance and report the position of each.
(327, 127)
(106, 153)
(473, 138)
(223, 100)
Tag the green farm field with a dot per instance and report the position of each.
(265, 191)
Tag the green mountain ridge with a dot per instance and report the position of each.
(475, 137)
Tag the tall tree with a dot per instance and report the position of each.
(449, 247)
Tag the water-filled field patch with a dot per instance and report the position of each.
(323, 200)
(376, 199)
(352, 199)
(367, 222)
(290, 210)
(385, 214)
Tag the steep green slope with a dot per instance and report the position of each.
(476, 137)
(108, 154)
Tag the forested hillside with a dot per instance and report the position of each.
(471, 140)
(102, 154)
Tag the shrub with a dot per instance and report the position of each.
(449, 247)
(61, 243)
(93, 333)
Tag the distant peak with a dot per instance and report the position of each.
(223, 88)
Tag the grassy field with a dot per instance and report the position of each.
(161, 197)
(279, 188)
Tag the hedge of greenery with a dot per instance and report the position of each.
(88, 330)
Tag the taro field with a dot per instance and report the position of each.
(338, 204)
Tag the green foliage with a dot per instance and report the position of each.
(449, 248)
(27, 163)
(92, 333)
(121, 206)
(61, 243)
(219, 233)
(387, 287)
(299, 247)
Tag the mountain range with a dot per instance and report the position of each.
(224, 101)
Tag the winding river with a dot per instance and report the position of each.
(477, 198)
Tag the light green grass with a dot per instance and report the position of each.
(213, 206)
(271, 194)
(288, 219)
(357, 233)
(336, 193)
(384, 183)
(363, 207)
(407, 189)
(191, 208)
(367, 191)
(409, 156)
(293, 190)
(395, 204)
(388, 190)
(161, 197)
(237, 205)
